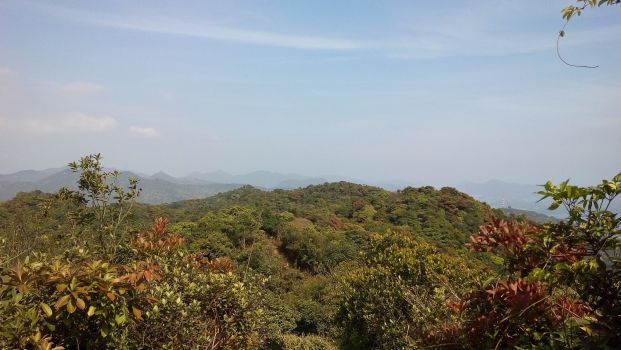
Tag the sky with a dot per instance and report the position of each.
(422, 91)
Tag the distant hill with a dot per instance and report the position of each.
(530, 215)
(444, 216)
(500, 194)
(29, 175)
(164, 188)
(262, 179)
(160, 188)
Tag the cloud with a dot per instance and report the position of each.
(245, 36)
(75, 122)
(202, 30)
(144, 131)
(214, 138)
(167, 96)
(82, 87)
(6, 72)
(417, 43)
(460, 31)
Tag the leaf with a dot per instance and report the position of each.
(137, 313)
(80, 303)
(62, 301)
(120, 319)
(70, 307)
(104, 330)
(46, 309)
(74, 283)
(91, 311)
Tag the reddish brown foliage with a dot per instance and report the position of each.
(358, 204)
(510, 239)
(455, 305)
(336, 223)
(509, 236)
(219, 265)
(565, 308)
(158, 237)
(504, 308)
(141, 274)
(519, 297)
(569, 253)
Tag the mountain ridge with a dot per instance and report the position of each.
(161, 187)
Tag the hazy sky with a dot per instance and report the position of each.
(426, 91)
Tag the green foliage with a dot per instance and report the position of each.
(89, 301)
(63, 296)
(317, 250)
(312, 300)
(295, 342)
(572, 10)
(100, 201)
(562, 281)
(195, 308)
(335, 265)
(400, 295)
(240, 224)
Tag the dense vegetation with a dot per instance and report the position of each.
(329, 266)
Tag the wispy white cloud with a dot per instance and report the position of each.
(215, 32)
(144, 131)
(460, 32)
(7, 72)
(74, 122)
(204, 30)
(82, 87)
(167, 96)
(214, 138)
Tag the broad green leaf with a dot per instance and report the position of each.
(120, 319)
(46, 309)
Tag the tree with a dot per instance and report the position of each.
(397, 300)
(561, 282)
(100, 200)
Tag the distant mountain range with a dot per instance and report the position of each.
(157, 188)
(530, 215)
(262, 179)
(164, 188)
(499, 194)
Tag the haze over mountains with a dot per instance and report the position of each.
(159, 187)
(164, 188)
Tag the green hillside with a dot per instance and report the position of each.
(338, 265)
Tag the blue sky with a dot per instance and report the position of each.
(429, 92)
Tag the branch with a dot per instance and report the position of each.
(561, 34)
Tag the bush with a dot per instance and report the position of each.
(399, 297)
(297, 342)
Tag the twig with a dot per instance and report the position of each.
(561, 34)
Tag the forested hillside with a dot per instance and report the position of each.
(338, 265)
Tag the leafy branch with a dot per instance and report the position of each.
(571, 11)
